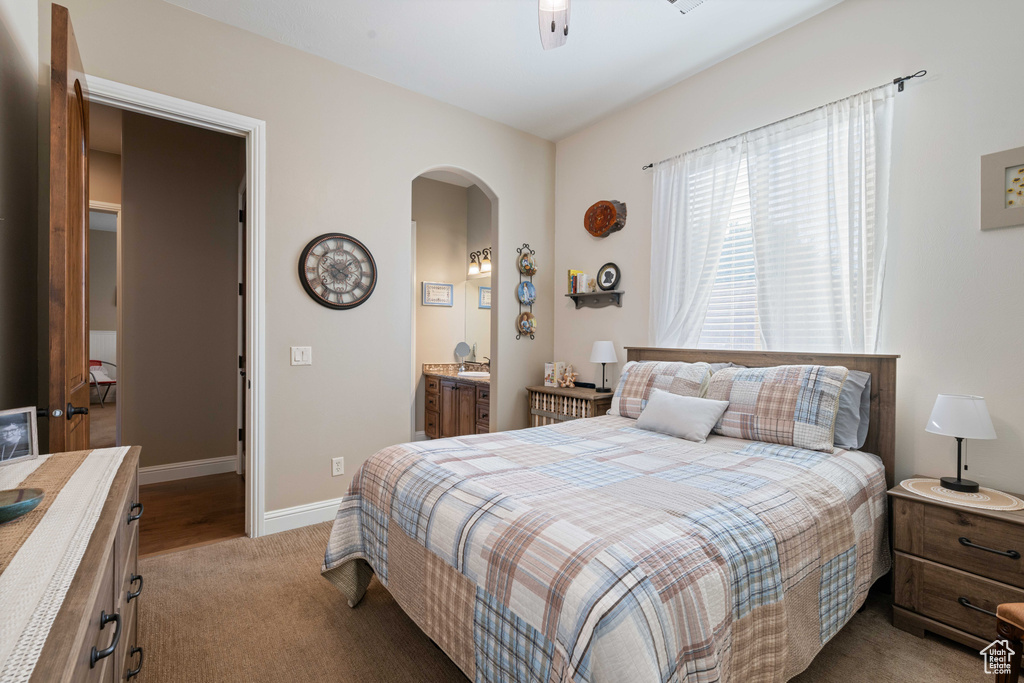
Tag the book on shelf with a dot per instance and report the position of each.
(579, 282)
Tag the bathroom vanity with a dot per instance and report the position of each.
(456, 403)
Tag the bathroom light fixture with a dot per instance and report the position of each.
(553, 16)
(485, 264)
(474, 265)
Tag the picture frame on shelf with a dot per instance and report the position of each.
(438, 294)
(19, 435)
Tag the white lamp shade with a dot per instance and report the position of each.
(553, 17)
(961, 416)
(603, 352)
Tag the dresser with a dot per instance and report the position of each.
(549, 405)
(952, 566)
(94, 636)
(455, 406)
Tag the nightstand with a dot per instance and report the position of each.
(549, 405)
(952, 566)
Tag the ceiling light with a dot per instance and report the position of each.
(685, 6)
(485, 264)
(553, 16)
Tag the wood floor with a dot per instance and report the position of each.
(191, 512)
(102, 424)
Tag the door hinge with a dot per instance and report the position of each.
(241, 215)
(241, 289)
(241, 433)
(241, 362)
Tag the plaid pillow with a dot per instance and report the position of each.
(794, 405)
(640, 378)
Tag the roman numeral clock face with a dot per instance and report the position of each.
(337, 271)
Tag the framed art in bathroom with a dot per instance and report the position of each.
(438, 294)
(485, 298)
(1002, 189)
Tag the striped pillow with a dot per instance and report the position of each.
(640, 378)
(794, 405)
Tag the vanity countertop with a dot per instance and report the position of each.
(451, 371)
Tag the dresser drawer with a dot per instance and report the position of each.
(937, 591)
(483, 413)
(433, 385)
(433, 402)
(483, 394)
(96, 637)
(432, 424)
(935, 533)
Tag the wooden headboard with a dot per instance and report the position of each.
(882, 428)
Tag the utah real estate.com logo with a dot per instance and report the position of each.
(997, 657)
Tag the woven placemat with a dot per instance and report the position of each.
(986, 499)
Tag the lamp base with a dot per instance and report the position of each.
(603, 390)
(962, 485)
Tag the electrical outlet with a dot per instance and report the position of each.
(337, 467)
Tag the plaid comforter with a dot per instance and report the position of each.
(594, 551)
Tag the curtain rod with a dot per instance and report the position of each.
(898, 82)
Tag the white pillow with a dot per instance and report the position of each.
(686, 417)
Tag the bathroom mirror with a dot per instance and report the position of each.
(478, 318)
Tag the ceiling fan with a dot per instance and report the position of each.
(553, 17)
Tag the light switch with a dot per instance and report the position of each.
(302, 355)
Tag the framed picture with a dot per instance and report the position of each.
(1002, 189)
(19, 438)
(438, 294)
(485, 298)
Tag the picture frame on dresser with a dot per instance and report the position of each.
(19, 435)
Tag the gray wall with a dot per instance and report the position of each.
(179, 242)
(18, 217)
(102, 280)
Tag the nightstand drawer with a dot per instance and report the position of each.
(936, 591)
(990, 547)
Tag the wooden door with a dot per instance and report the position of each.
(467, 409)
(69, 241)
(449, 409)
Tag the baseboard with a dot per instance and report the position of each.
(187, 470)
(419, 436)
(286, 519)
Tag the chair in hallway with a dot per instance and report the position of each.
(98, 377)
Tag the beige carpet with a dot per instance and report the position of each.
(257, 610)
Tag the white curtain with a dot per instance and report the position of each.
(693, 197)
(818, 203)
(818, 206)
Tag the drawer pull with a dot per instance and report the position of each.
(105, 619)
(135, 506)
(134, 594)
(1012, 554)
(132, 673)
(967, 603)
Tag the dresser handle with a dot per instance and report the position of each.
(132, 673)
(134, 594)
(140, 507)
(1012, 554)
(105, 619)
(967, 603)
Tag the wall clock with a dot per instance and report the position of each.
(337, 271)
(605, 217)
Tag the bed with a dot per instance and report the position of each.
(595, 551)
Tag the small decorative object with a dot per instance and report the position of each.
(1002, 189)
(603, 352)
(552, 371)
(527, 265)
(605, 217)
(462, 351)
(591, 285)
(526, 324)
(438, 294)
(17, 502)
(962, 417)
(608, 277)
(526, 292)
(553, 17)
(337, 271)
(485, 298)
(987, 499)
(568, 378)
(19, 438)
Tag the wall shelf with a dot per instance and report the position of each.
(598, 299)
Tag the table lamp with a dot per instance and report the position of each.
(962, 417)
(603, 352)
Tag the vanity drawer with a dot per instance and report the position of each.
(989, 547)
(939, 592)
(483, 428)
(483, 413)
(483, 394)
(433, 385)
(433, 402)
(432, 424)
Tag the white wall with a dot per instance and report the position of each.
(952, 299)
(342, 150)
